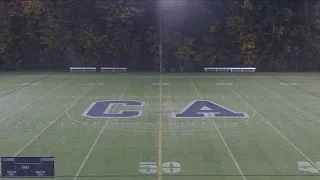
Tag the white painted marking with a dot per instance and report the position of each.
(152, 167)
(148, 167)
(290, 123)
(204, 108)
(171, 167)
(307, 167)
(222, 138)
(98, 137)
(286, 101)
(34, 100)
(157, 84)
(32, 140)
(284, 137)
(224, 84)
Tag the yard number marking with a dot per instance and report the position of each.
(158, 84)
(224, 84)
(286, 84)
(28, 83)
(152, 167)
(307, 167)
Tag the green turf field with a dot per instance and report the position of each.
(41, 115)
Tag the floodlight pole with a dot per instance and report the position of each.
(160, 36)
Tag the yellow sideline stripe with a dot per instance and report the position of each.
(160, 136)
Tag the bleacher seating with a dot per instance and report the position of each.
(229, 69)
(83, 69)
(113, 69)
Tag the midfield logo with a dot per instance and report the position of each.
(196, 109)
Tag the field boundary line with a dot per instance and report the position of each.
(10, 92)
(283, 136)
(97, 139)
(35, 100)
(189, 175)
(222, 138)
(285, 101)
(32, 140)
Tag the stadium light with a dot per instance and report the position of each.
(170, 12)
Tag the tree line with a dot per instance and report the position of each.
(281, 35)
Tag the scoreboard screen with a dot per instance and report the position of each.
(24, 167)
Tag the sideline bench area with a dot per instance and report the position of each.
(83, 69)
(94, 69)
(113, 69)
(229, 69)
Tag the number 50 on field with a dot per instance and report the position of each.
(152, 167)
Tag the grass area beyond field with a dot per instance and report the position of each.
(42, 114)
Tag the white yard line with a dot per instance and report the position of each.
(222, 138)
(283, 136)
(278, 96)
(35, 100)
(17, 89)
(32, 140)
(97, 139)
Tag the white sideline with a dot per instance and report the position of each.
(286, 101)
(32, 140)
(98, 137)
(222, 138)
(283, 136)
(35, 100)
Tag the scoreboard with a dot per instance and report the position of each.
(27, 167)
